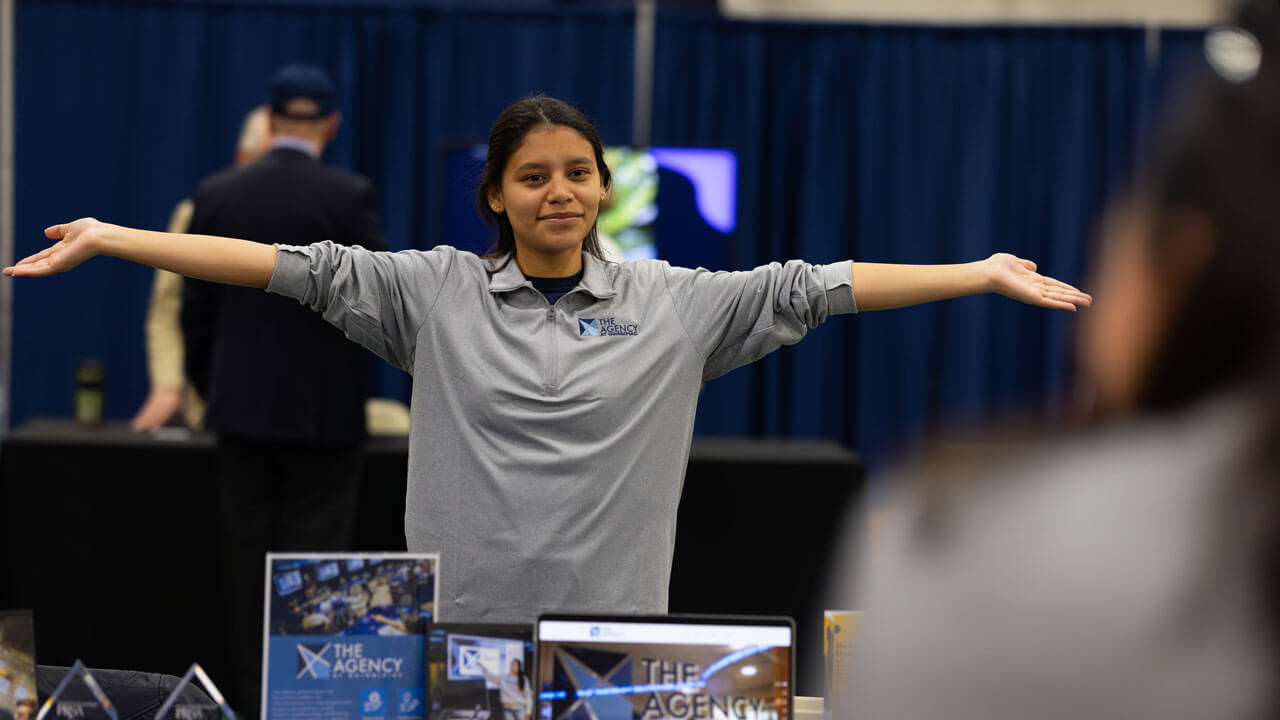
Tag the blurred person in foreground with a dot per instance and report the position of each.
(1129, 568)
(170, 392)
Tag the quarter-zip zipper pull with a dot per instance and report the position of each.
(551, 314)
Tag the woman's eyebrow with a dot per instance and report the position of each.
(534, 165)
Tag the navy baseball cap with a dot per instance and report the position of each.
(301, 81)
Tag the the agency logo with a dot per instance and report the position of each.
(312, 662)
(345, 661)
(470, 660)
(605, 327)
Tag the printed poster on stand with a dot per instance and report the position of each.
(344, 635)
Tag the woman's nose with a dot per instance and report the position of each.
(559, 189)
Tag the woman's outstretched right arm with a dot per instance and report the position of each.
(206, 257)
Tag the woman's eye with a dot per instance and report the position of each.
(579, 173)
(533, 178)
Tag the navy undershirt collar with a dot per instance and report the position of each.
(555, 288)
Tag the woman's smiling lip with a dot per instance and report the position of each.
(561, 217)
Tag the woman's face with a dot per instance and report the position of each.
(551, 192)
(515, 667)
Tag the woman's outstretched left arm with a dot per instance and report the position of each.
(879, 286)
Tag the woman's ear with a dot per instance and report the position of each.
(495, 201)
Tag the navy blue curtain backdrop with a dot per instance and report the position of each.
(885, 144)
(124, 106)
(910, 145)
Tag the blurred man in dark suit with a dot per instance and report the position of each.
(285, 390)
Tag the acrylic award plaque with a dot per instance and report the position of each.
(183, 705)
(78, 696)
(838, 631)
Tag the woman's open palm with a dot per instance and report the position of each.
(1016, 278)
(76, 243)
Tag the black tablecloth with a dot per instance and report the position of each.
(110, 536)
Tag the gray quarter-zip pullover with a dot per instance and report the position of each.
(548, 442)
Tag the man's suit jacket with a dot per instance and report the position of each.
(269, 367)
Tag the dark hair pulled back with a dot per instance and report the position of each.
(506, 136)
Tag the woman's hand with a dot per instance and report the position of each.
(1016, 278)
(203, 257)
(77, 241)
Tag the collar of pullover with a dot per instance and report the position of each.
(597, 276)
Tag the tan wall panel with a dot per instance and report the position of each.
(1106, 12)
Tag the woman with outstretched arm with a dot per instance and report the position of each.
(554, 392)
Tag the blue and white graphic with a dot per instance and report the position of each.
(482, 658)
(372, 703)
(312, 662)
(410, 701)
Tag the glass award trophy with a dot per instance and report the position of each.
(77, 703)
(182, 705)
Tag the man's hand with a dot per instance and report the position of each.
(160, 407)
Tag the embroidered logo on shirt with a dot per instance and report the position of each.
(598, 327)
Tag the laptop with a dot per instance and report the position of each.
(664, 666)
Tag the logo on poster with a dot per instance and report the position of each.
(312, 662)
(347, 661)
(371, 702)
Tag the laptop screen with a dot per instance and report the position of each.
(664, 667)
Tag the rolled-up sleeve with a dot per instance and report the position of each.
(378, 299)
(736, 318)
